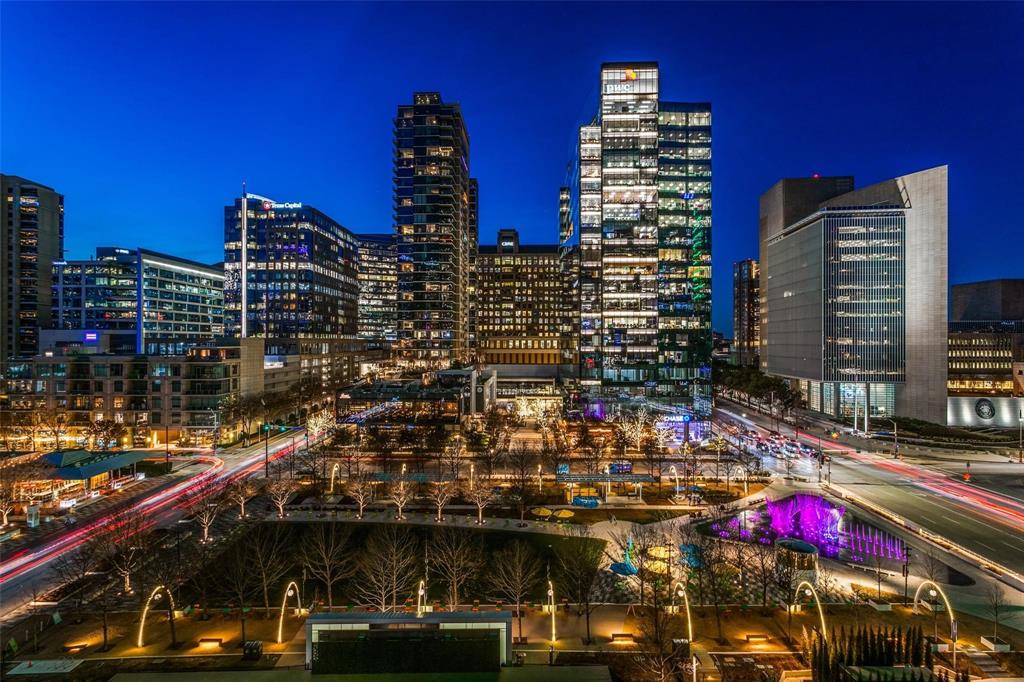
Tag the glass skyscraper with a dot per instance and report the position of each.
(435, 204)
(164, 304)
(301, 272)
(645, 244)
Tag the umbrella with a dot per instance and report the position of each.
(657, 566)
(659, 552)
(540, 511)
(564, 514)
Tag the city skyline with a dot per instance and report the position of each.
(107, 149)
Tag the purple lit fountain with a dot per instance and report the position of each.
(809, 518)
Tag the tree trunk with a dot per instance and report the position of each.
(170, 619)
(519, 615)
(587, 608)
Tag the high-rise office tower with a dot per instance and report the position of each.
(300, 268)
(746, 312)
(32, 233)
(523, 308)
(435, 221)
(378, 286)
(645, 244)
(472, 278)
(853, 291)
(157, 304)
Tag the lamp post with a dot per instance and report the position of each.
(551, 605)
(539, 479)
(607, 483)
(675, 476)
(1020, 436)
(895, 436)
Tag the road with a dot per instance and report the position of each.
(30, 571)
(930, 494)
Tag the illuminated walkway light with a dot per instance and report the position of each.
(809, 592)
(291, 591)
(145, 611)
(949, 608)
(551, 605)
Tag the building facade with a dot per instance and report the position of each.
(378, 286)
(297, 276)
(746, 312)
(159, 399)
(994, 299)
(986, 354)
(854, 293)
(435, 221)
(32, 233)
(524, 316)
(159, 304)
(645, 243)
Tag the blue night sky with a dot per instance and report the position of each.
(148, 116)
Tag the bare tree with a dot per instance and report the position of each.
(441, 492)
(53, 421)
(73, 567)
(12, 477)
(236, 579)
(326, 555)
(387, 567)
(360, 489)
(279, 490)
(660, 658)
(634, 427)
(240, 491)
(579, 558)
(126, 545)
(204, 503)
(522, 462)
(764, 555)
(480, 493)
(457, 555)
(105, 433)
(515, 573)
(996, 605)
(267, 546)
(244, 411)
(400, 493)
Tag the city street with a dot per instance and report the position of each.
(28, 574)
(931, 495)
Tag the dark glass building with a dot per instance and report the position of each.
(296, 278)
(435, 221)
(378, 286)
(32, 234)
(746, 312)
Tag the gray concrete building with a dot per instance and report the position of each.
(854, 293)
(32, 234)
(994, 299)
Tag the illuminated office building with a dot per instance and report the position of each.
(853, 291)
(524, 313)
(378, 286)
(32, 233)
(645, 244)
(150, 302)
(435, 208)
(301, 270)
(746, 312)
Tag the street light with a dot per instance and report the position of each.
(675, 475)
(1020, 436)
(539, 479)
(551, 605)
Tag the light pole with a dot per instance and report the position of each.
(539, 479)
(895, 436)
(551, 605)
(675, 475)
(1020, 436)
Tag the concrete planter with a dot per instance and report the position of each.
(880, 605)
(995, 643)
